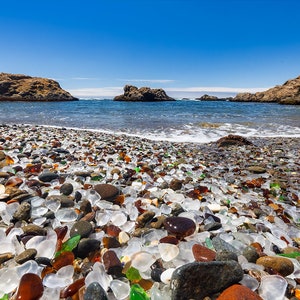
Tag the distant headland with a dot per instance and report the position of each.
(18, 87)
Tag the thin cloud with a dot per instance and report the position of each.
(85, 78)
(96, 92)
(216, 89)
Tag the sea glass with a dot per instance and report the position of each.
(138, 293)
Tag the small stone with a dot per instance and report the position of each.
(23, 212)
(47, 176)
(30, 287)
(95, 291)
(66, 189)
(32, 229)
(145, 217)
(86, 206)
(283, 266)
(212, 226)
(86, 246)
(107, 191)
(157, 222)
(225, 255)
(83, 228)
(219, 244)
(251, 254)
(238, 292)
(112, 263)
(5, 257)
(175, 184)
(257, 169)
(180, 226)
(232, 140)
(200, 279)
(26, 255)
(4, 175)
(202, 253)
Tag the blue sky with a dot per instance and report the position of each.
(188, 47)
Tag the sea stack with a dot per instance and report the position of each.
(17, 87)
(288, 93)
(143, 94)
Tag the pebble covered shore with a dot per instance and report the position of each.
(87, 215)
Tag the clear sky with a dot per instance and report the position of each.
(187, 47)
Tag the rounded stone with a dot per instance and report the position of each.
(86, 246)
(66, 189)
(23, 212)
(200, 279)
(238, 292)
(283, 266)
(107, 191)
(225, 255)
(251, 254)
(83, 228)
(175, 184)
(32, 229)
(26, 255)
(47, 176)
(179, 226)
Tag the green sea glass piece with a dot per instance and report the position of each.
(138, 293)
(69, 245)
(133, 274)
(208, 243)
(5, 297)
(290, 255)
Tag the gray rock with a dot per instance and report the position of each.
(200, 279)
(95, 291)
(212, 226)
(257, 169)
(220, 245)
(225, 255)
(32, 229)
(83, 228)
(251, 254)
(66, 189)
(23, 212)
(47, 176)
(26, 255)
(85, 246)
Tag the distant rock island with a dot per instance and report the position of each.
(288, 93)
(206, 97)
(17, 87)
(143, 94)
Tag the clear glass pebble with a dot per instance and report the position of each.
(168, 251)
(250, 282)
(272, 287)
(121, 289)
(142, 261)
(66, 215)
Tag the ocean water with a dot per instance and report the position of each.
(181, 121)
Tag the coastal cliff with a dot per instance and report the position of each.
(288, 93)
(143, 94)
(18, 87)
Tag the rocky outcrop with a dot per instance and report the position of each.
(17, 87)
(288, 93)
(143, 94)
(206, 97)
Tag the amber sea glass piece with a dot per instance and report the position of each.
(30, 287)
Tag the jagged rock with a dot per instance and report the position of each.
(144, 94)
(288, 93)
(26, 88)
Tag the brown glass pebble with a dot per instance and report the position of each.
(113, 230)
(110, 242)
(169, 239)
(64, 259)
(180, 226)
(30, 287)
(112, 263)
(72, 289)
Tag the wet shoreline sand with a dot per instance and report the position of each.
(247, 196)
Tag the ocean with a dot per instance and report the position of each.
(180, 121)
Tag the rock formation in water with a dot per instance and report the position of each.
(288, 93)
(206, 97)
(17, 87)
(143, 94)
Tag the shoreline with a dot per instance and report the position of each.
(120, 192)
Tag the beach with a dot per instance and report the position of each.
(132, 214)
